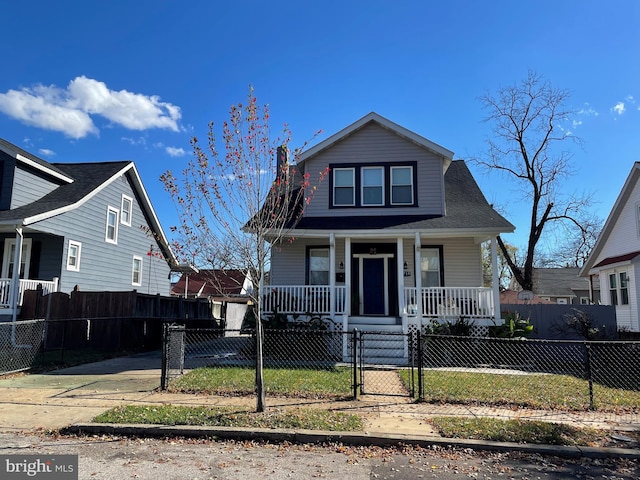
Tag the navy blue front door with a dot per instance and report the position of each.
(373, 301)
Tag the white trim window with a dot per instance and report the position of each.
(344, 187)
(73, 256)
(126, 210)
(372, 186)
(402, 186)
(111, 234)
(136, 271)
(619, 288)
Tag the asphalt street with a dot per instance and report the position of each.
(113, 457)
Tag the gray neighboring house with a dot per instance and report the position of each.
(392, 238)
(89, 226)
(563, 286)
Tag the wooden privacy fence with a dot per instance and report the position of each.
(132, 304)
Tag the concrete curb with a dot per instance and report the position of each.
(347, 438)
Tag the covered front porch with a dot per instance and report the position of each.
(408, 279)
(24, 250)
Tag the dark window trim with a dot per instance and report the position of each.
(307, 260)
(387, 184)
(440, 249)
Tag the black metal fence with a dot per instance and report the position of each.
(555, 376)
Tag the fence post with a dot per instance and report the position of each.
(420, 366)
(588, 359)
(354, 358)
(164, 380)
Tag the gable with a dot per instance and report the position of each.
(374, 145)
(621, 232)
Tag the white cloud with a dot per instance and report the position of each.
(175, 152)
(70, 110)
(135, 141)
(46, 152)
(618, 108)
(588, 110)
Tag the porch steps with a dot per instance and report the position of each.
(383, 342)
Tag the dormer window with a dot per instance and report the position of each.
(387, 185)
(401, 186)
(372, 186)
(344, 187)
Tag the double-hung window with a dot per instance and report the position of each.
(401, 186)
(372, 186)
(125, 210)
(619, 288)
(318, 266)
(136, 271)
(344, 187)
(111, 234)
(73, 256)
(430, 267)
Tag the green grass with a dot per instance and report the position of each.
(518, 431)
(303, 418)
(334, 383)
(547, 392)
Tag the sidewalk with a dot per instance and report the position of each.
(73, 396)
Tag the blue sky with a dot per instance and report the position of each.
(134, 80)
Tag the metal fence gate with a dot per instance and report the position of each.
(387, 363)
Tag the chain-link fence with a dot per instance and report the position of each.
(503, 375)
(20, 344)
(535, 374)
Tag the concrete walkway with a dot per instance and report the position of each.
(74, 396)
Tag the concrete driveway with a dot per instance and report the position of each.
(77, 394)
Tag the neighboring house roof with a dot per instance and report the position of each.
(466, 208)
(30, 159)
(510, 297)
(614, 215)
(208, 283)
(81, 181)
(558, 282)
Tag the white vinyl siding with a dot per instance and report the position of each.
(136, 271)
(126, 210)
(111, 234)
(73, 256)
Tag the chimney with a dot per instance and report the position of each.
(282, 160)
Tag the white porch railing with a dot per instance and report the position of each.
(302, 299)
(468, 302)
(5, 289)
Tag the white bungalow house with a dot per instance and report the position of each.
(614, 262)
(392, 237)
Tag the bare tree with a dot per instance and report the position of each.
(528, 147)
(235, 204)
(504, 272)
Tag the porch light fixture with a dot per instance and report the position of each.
(406, 266)
(341, 266)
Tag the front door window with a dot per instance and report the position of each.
(9, 256)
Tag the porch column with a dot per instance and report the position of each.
(15, 278)
(495, 280)
(400, 275)
(332, 275)
(418, 276)
(347, 278)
